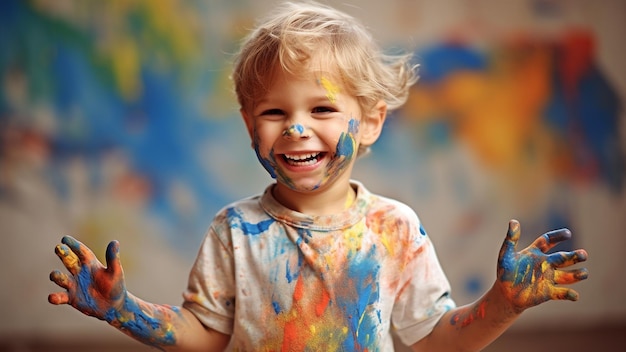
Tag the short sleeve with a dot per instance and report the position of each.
(210, 293)
(425, 296)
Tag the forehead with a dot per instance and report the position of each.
(321, 70)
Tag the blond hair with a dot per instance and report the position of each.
(294, 32)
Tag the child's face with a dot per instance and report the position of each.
(306, 131)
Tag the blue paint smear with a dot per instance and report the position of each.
(296, 127)
(142, 326)
(345, 146)
(253, 229)
(276, 307)
(288, 274)
(84, 282)
(267, 164)
(363, 271)
(438, 61)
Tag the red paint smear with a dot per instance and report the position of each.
(320, 307)
(292, 341)
(299, 290)
(478, 313)
(578, 49)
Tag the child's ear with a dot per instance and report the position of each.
(249, 121)
(372, 123)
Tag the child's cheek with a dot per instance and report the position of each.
(346, 149)
(265, 158)
(346, 146)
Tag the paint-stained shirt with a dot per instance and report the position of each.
(279, 280)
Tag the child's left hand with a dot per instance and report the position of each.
(531, 277)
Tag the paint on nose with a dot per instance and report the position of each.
(294, 130)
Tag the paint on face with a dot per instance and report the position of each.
(269, 164)
(331, 89)
(293, 129)
(346, 150)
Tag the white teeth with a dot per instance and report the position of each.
(301, 159)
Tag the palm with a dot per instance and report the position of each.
(93, 289)
(533, 276)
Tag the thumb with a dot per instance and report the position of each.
(510, 243)
(113, 258)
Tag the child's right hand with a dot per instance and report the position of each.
(93, 289)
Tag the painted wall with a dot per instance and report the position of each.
(117, 122)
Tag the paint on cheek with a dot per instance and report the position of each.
(268, 164)
(346, 146)
(330, 88)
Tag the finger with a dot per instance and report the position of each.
(563, 293)
(550, 239)
(68, 257)
(563, 259)
(59, 298)
(83, 252)
(60, 279)
(113, 258)
(512, 236)
(565, 277)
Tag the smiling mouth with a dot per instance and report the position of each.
(302, 159)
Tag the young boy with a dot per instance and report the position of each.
(317, 262)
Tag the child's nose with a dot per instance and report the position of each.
(296, 131)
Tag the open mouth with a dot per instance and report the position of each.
(302, 159)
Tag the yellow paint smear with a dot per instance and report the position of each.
(331, 89)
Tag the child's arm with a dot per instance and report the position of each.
(101, 293)
(524, 279)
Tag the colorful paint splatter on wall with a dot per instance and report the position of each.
(106, 106)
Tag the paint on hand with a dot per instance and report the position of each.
(100, 292)
(532, 276)
(331, 89)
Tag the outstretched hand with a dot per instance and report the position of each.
(93, 289)
(532, 276)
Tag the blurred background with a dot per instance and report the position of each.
(117, 121)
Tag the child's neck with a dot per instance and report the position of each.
(317, 203)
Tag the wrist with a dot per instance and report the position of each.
(499, 293)
(149, 323)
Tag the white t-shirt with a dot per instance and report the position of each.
(279, 280)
